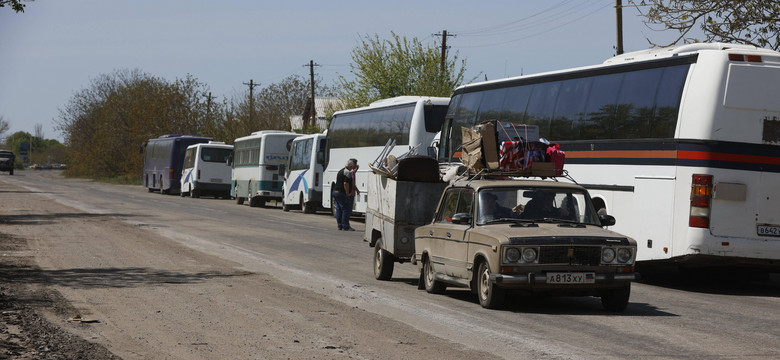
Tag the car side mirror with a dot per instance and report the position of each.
(461, 218)
(607, 220)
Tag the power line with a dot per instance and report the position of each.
(550, 28)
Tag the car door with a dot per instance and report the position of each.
(448, 251)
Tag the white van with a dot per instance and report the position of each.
(303, 176)
(258, 166)
(206, 170)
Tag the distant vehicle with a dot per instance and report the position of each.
(303, 176)
(412, 121)
(258, 166)
(527, 236)
(163, 159)
(206, 170)
(7, 161)
(681, 143)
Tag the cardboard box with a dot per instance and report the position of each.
(471, 150)
(487, 130)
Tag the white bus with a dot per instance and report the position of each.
(206, 170)
(681, 145)
(362, 134)
(258, 166)
(303, 176)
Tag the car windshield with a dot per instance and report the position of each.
(537, 204)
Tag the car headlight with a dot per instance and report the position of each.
(624, 255)
(608, 255)
(529, 255)
(512, 255)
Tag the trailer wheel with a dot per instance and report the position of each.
(431, 285)
(383, 262)
(616, 300)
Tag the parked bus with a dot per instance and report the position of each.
(681, 145)
(163, 158)
(258, 166)
(362, 134)
(206, 170)
(303, 176)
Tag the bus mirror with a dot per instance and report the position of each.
(607, 220)
(432, 151)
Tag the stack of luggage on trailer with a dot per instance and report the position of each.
(510, 149)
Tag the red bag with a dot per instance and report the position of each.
(511, 155)
(556, 156)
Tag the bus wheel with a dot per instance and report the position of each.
(182, 192)
(254, 201)
(306, 207)
(285, 207)
(239, 200)
(194, 193)
(383, 262)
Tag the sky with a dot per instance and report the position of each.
(56, 48)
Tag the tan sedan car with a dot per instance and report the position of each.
(529, 236)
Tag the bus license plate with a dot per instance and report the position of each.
(768, 230)
(571, 278)
(216, 180)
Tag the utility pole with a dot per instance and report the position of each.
(313, 118)
(619, 13)
(443, 35)
(251, 99)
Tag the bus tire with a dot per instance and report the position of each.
(254, 201)
(285, 207)
(182, 193)
(616, 300)
(308, 207)
(239, 200)
(194, 193)
(384, 262)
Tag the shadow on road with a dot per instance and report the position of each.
(39, 219)
(86, 278)
(716, 281)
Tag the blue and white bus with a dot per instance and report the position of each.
(163, 159)
(681, 145)
(258, 166)
(303, 176)
(362, 134)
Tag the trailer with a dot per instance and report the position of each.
(395, 208)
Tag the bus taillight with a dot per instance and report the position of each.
(170, 173)
(316, 179)
(748, 58)
(701, 196)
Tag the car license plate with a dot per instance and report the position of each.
(571, 278)
(768, 230)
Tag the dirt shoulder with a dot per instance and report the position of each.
(141, 295)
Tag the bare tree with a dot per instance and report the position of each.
(16, 5)
(753, 22)
(4, 126)
(39, 131)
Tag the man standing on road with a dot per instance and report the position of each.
(344, 186)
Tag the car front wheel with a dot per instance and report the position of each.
(490, 295)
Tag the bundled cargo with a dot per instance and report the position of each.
(511, 149)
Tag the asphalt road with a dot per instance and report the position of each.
(700, 318)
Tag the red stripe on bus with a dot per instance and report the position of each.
(704, 155)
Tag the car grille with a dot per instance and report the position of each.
(579, 255)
